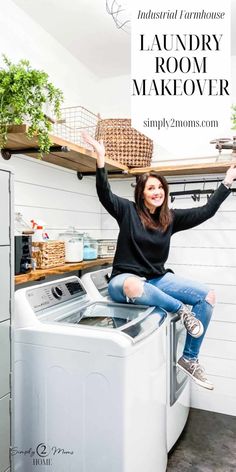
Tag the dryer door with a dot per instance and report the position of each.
(178, 379)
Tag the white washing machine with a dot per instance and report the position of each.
(178, 385)
(89, 383)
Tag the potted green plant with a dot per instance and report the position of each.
(233, 116)
(24, 94)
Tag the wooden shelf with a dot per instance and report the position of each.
(84, 161)
(219, 167)
(77, 158)
(40, 274)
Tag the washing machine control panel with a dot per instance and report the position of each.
(57, 292)
(53, 293)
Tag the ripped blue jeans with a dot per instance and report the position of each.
(170, 292)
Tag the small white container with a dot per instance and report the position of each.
(73, 245)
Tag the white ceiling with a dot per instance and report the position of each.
(86, 29)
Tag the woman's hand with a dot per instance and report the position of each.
(230, 176)
(98, 147)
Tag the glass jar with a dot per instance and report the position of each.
(73, 245)
(90, 248)
(21, 226)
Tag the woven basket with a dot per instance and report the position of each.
(48, 254)
(123, 143)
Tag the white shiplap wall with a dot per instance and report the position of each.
(207, 254)
(56, 196)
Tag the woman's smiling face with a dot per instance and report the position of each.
(153, 194)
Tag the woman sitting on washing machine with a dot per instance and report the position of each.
(138, 274)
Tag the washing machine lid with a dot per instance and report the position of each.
(136, 321)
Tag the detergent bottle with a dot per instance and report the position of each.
(38, 232)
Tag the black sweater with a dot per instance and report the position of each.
(143, 251)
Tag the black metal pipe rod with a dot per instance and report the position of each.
(226, 146)
(110, 172)
(191, 192)
(36, 150)
(200, 181)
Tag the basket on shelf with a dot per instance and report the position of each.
(74, 120)
(124, 143)
(48, 254)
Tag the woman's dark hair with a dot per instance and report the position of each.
(147, 219)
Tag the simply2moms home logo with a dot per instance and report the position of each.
(181, 69)
(40, 455)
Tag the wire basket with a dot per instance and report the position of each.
(124, 143)
(74, 120)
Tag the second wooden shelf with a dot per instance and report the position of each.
(40, 274)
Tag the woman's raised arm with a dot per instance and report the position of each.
(98, 147)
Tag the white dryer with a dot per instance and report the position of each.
(96, 283)
(178, 385)
(89, 383)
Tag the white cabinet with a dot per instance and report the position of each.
(5, 283)
(4, 358)
(6, 298)
(5, 199)
(4, 433)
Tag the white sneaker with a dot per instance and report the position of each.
(195, 371)
(191, 323)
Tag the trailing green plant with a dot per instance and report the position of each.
(24, 94)
(233, 116)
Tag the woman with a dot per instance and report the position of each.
(138, 274)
